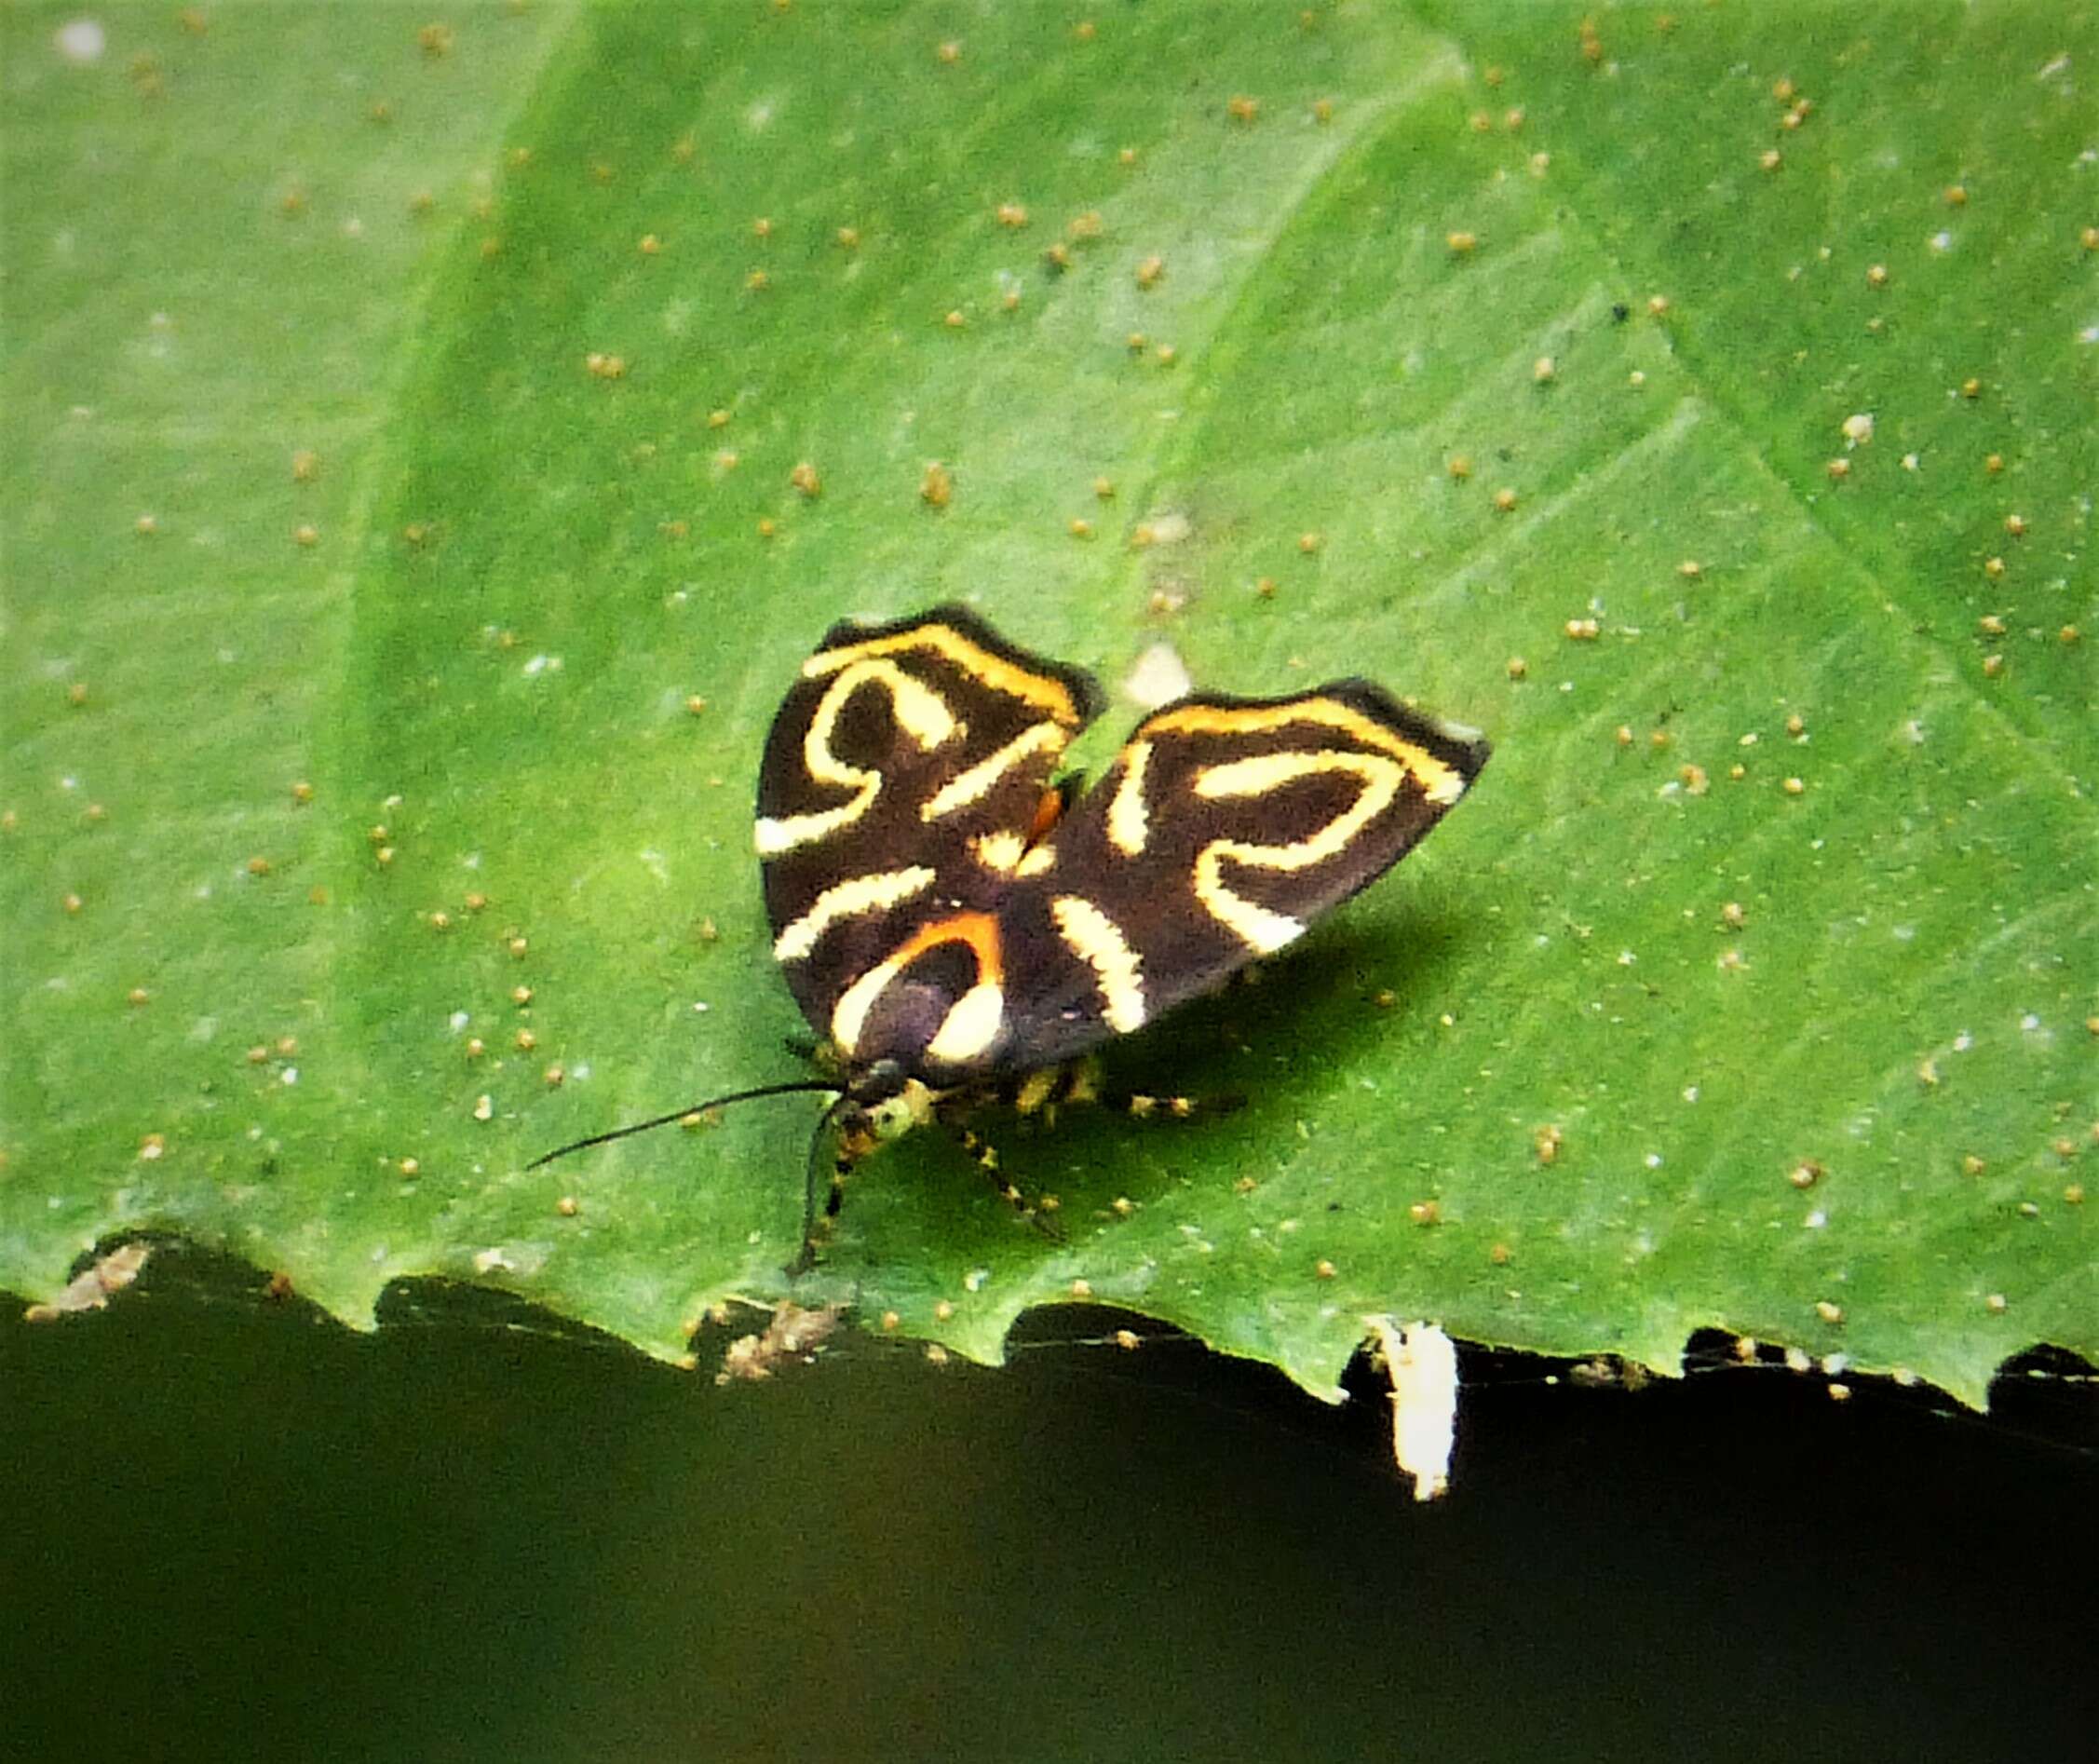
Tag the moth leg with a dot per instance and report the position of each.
(1143, 1105)
(1038, 1211)
(1044, 1092)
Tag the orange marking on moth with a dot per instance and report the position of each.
(1048, 813)
(979, 930)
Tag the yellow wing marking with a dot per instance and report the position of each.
(1097, 940)
(1442, 783)
(842, 900)
(972, 1021)
(971, 786)
(1128, 821)
(920, 711)
(1000, 851)
(1041, 690)
(1263, 928)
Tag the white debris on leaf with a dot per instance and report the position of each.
(1422, 1362)
(1158, 677)
(90, 1290)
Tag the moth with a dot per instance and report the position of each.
(956, 921)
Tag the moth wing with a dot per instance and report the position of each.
(899, 782)
(1221, 830)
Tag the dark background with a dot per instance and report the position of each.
(232, 1528)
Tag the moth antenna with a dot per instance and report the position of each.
(679, 1114)
(805, 1257)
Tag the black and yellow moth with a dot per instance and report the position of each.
(955, 923)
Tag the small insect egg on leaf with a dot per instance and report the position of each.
(1544, 370)
(1085, 226)
(1149, 271)
(138, 996)
(1058, 257)
(555, 1077)
(757, 281)
(1995, 1304)
(1326, 1269)
(936, 487)
(568, 1206)
(1426, 1213)
(306, 465)
(1993, 666)
(287, 1045)
(441, 920)
(1583, 630)
(258, 1055)
(1993, 567)
(1770, 160)
(476, 1047)
(804, 478)
(1858, 427)
(1081, 529)
(1461, 243)
(1990, 625)
(1505, 501)
(520, 994)
(949, 53)
(1876, 276)
(410, 1167)
(1122, 1206)
(484, 1106)
(1242, 109)
(146, 524)
(1994, 464)
(2015, 525)
(943, 1311)
(768, 527)
(1623, 735)
(525, 1040)
(1126, 156)
(2068, 635)
(258, 866)
(762, 227)
(1517, 667)
(1013, 214)
(152, 1145)
(1546, 1142)
(516, 946)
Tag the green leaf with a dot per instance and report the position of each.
(496, 278)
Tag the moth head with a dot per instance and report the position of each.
(884, 1103)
